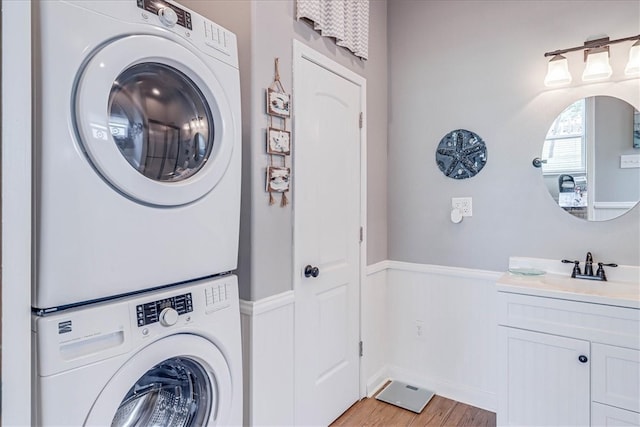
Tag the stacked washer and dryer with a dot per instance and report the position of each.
(137, 196)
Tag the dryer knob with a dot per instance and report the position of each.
(168, 317)
(168, 16)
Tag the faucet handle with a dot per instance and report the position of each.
(600, 272)
(602, 264)
(576, 267)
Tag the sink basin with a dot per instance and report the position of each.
(610, 289)
(617, 293)
(551, 278)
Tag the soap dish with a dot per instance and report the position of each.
(527, 272)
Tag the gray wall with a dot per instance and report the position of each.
(266, 30)
(479, 65)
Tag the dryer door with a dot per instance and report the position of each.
(181, 380)
(154, 119)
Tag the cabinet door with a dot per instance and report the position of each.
(616, 376)
(609, 416)
(544, 379)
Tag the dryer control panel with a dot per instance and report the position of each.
(169, 13)
(150, 312)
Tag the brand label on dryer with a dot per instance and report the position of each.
(64, 327)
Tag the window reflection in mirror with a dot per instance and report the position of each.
(582, 155)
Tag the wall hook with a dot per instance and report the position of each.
(456, 216)
(537, 162)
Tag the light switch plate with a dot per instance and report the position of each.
(629, 161)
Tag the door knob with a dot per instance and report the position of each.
(583, 358)
(310, 271)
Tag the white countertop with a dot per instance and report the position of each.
(624, 291)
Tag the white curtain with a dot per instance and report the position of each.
(345, 20)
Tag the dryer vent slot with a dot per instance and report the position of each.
(91, 345)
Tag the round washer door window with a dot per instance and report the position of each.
(154, 120)
(175, 392)
(180, 380)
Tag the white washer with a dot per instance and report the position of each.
(137, 181)
(159, 358)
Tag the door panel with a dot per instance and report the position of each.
(327, 211)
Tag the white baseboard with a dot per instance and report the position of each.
(377, 380)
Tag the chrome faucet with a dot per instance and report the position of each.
(588, 269)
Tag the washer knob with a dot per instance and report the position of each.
(168, 317)
(168, 16)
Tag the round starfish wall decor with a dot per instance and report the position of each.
(461, 154)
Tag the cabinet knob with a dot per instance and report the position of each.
(582, 358)
(310, 271)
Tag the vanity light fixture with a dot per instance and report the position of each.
(596, 56)
(598, 67)
(558, 72)
(633, 66)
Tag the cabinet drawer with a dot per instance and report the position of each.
(594, 322)
(615, 376)
(603, 415)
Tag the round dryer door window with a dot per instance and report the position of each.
(180, 380)
(154, 119)
(160, 122)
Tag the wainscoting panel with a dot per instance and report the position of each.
(374, 370)
(438, 330)
(431, 326)
(267, 347)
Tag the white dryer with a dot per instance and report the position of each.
(138, 146)
(170, 358)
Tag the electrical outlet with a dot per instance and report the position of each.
(419, 329)
(463, 204)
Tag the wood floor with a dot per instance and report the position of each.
(439, 412)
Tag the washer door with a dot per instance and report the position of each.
(154, 120)
(181, 380)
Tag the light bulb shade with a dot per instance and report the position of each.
(633, 66)
(557, 72)
(598, 67)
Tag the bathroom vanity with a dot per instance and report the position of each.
(569, 349)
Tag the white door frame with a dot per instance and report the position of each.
(304, 52)
(16, 213)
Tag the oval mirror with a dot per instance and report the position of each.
(591, 158)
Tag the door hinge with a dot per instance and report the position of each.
(361, 349)
(361, 119)
(361, 234)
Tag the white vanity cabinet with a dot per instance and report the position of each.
(566, 362)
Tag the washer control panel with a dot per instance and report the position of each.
(169, 14)
(164, 310)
